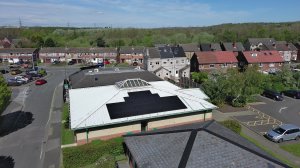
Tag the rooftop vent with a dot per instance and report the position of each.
(129, 83)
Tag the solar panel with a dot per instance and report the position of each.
(143, 102)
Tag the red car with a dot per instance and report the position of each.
(40, 82)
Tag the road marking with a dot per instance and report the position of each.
(41, 150)
(282, 108)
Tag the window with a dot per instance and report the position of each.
(260, 64)
(212, 65)
(171, 62)
(150, 63)
(280, 64)
(157, 63)
(165, 62)
(182, 61)
(224, 65)
(167, 74)
(176, 72)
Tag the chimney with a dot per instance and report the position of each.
(234, 45)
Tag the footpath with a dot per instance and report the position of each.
(274, 147)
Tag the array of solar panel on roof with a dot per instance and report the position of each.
(132, 83)
(143, 102)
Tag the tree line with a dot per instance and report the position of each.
(115, 37)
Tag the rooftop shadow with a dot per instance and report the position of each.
(7, 162)
(14, 121)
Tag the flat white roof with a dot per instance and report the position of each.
(88, 105)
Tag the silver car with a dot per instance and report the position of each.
(283, 133)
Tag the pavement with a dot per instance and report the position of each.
(274, 147)
(30, 125)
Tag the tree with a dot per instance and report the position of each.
(49, 42)
(5, 94)
(200, 77)
(100, 42)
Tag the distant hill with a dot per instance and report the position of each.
(113, 37)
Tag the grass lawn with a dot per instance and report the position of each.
(292, 148)
(67, 135)
(268, 150)
(95, 154)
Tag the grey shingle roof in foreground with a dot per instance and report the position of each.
(206, 144)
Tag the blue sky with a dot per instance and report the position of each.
(145, 13)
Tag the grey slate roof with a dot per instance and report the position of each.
(205, 47)
(17, 50)
(215, 47)
(237, 46)
(153, 52)
(266, 41)
(171, 51)
(54, 50)
(206, 144)
(130, 50)
(108, 76)
(190, 47)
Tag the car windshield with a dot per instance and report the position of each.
(279, 130)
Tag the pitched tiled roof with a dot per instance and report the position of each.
(256, 41)
(205, 47)
(153, 52)
(54, 50)
(216, 57)
(130, 50)
(17, 50)
(206, 144)
(171, 51)
(190, 47)
(235, 46)
(292, 46)
(262, 56)
(215, 47)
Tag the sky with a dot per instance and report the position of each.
(145, 13)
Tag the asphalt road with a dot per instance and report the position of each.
(28, 133)
(287, 111)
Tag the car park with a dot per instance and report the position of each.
(284, 132)
(40, 82)
(292, 93)
(15, 72)
(272, 95)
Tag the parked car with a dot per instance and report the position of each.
(283, 133)
(14, 82)
(29, 77)
(55, 62)
(3, 71)
(21, 78)
(15, 72)
(72, 62)
(292, 93)
(273, 95)
(40, 82)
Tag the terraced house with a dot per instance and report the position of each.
(14, 55)
(132, 55)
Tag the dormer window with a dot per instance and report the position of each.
(253, 54)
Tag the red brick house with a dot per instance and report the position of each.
(14, 55)
(132, 55)
(213, 60)
(267, 61)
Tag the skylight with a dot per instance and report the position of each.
(128, 83)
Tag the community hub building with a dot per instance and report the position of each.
(108, 103)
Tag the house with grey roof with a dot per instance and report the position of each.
(253, 44)
(233, 46)
(171, 58)
(206, 145)
(210, 47)
(132, 55)
(190, 49)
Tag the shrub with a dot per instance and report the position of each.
(233, 125)
(42, 72)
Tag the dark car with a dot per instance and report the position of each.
(272, 95)
(71, 62)
(40, 82)
(3, 71)
(292, 93)
(55, 62)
